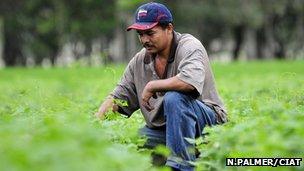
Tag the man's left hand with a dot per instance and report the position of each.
(146, 96)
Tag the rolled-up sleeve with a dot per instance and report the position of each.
(125, 90)
(191, 69)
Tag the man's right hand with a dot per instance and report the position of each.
(105, 107)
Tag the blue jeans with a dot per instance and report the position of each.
(185, 117)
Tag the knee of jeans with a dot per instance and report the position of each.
(172, 97)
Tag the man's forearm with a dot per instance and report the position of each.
(170, 84)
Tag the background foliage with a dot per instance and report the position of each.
(40, 30)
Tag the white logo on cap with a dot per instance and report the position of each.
(141, 13)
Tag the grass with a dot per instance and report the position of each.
(46, 120)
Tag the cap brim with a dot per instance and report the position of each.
(142, 26)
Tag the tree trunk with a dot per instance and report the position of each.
(261, 42)
(238, 33)
(280, 52)
(12, 46)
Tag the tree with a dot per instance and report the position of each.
(44, 29)
(12, 17)
(89, 20)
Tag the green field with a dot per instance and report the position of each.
(47, 123)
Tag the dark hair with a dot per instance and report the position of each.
(164, 25)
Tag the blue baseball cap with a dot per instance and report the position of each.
(149, 15)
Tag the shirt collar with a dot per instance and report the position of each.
(148, 56)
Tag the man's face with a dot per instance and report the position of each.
(156, 39)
